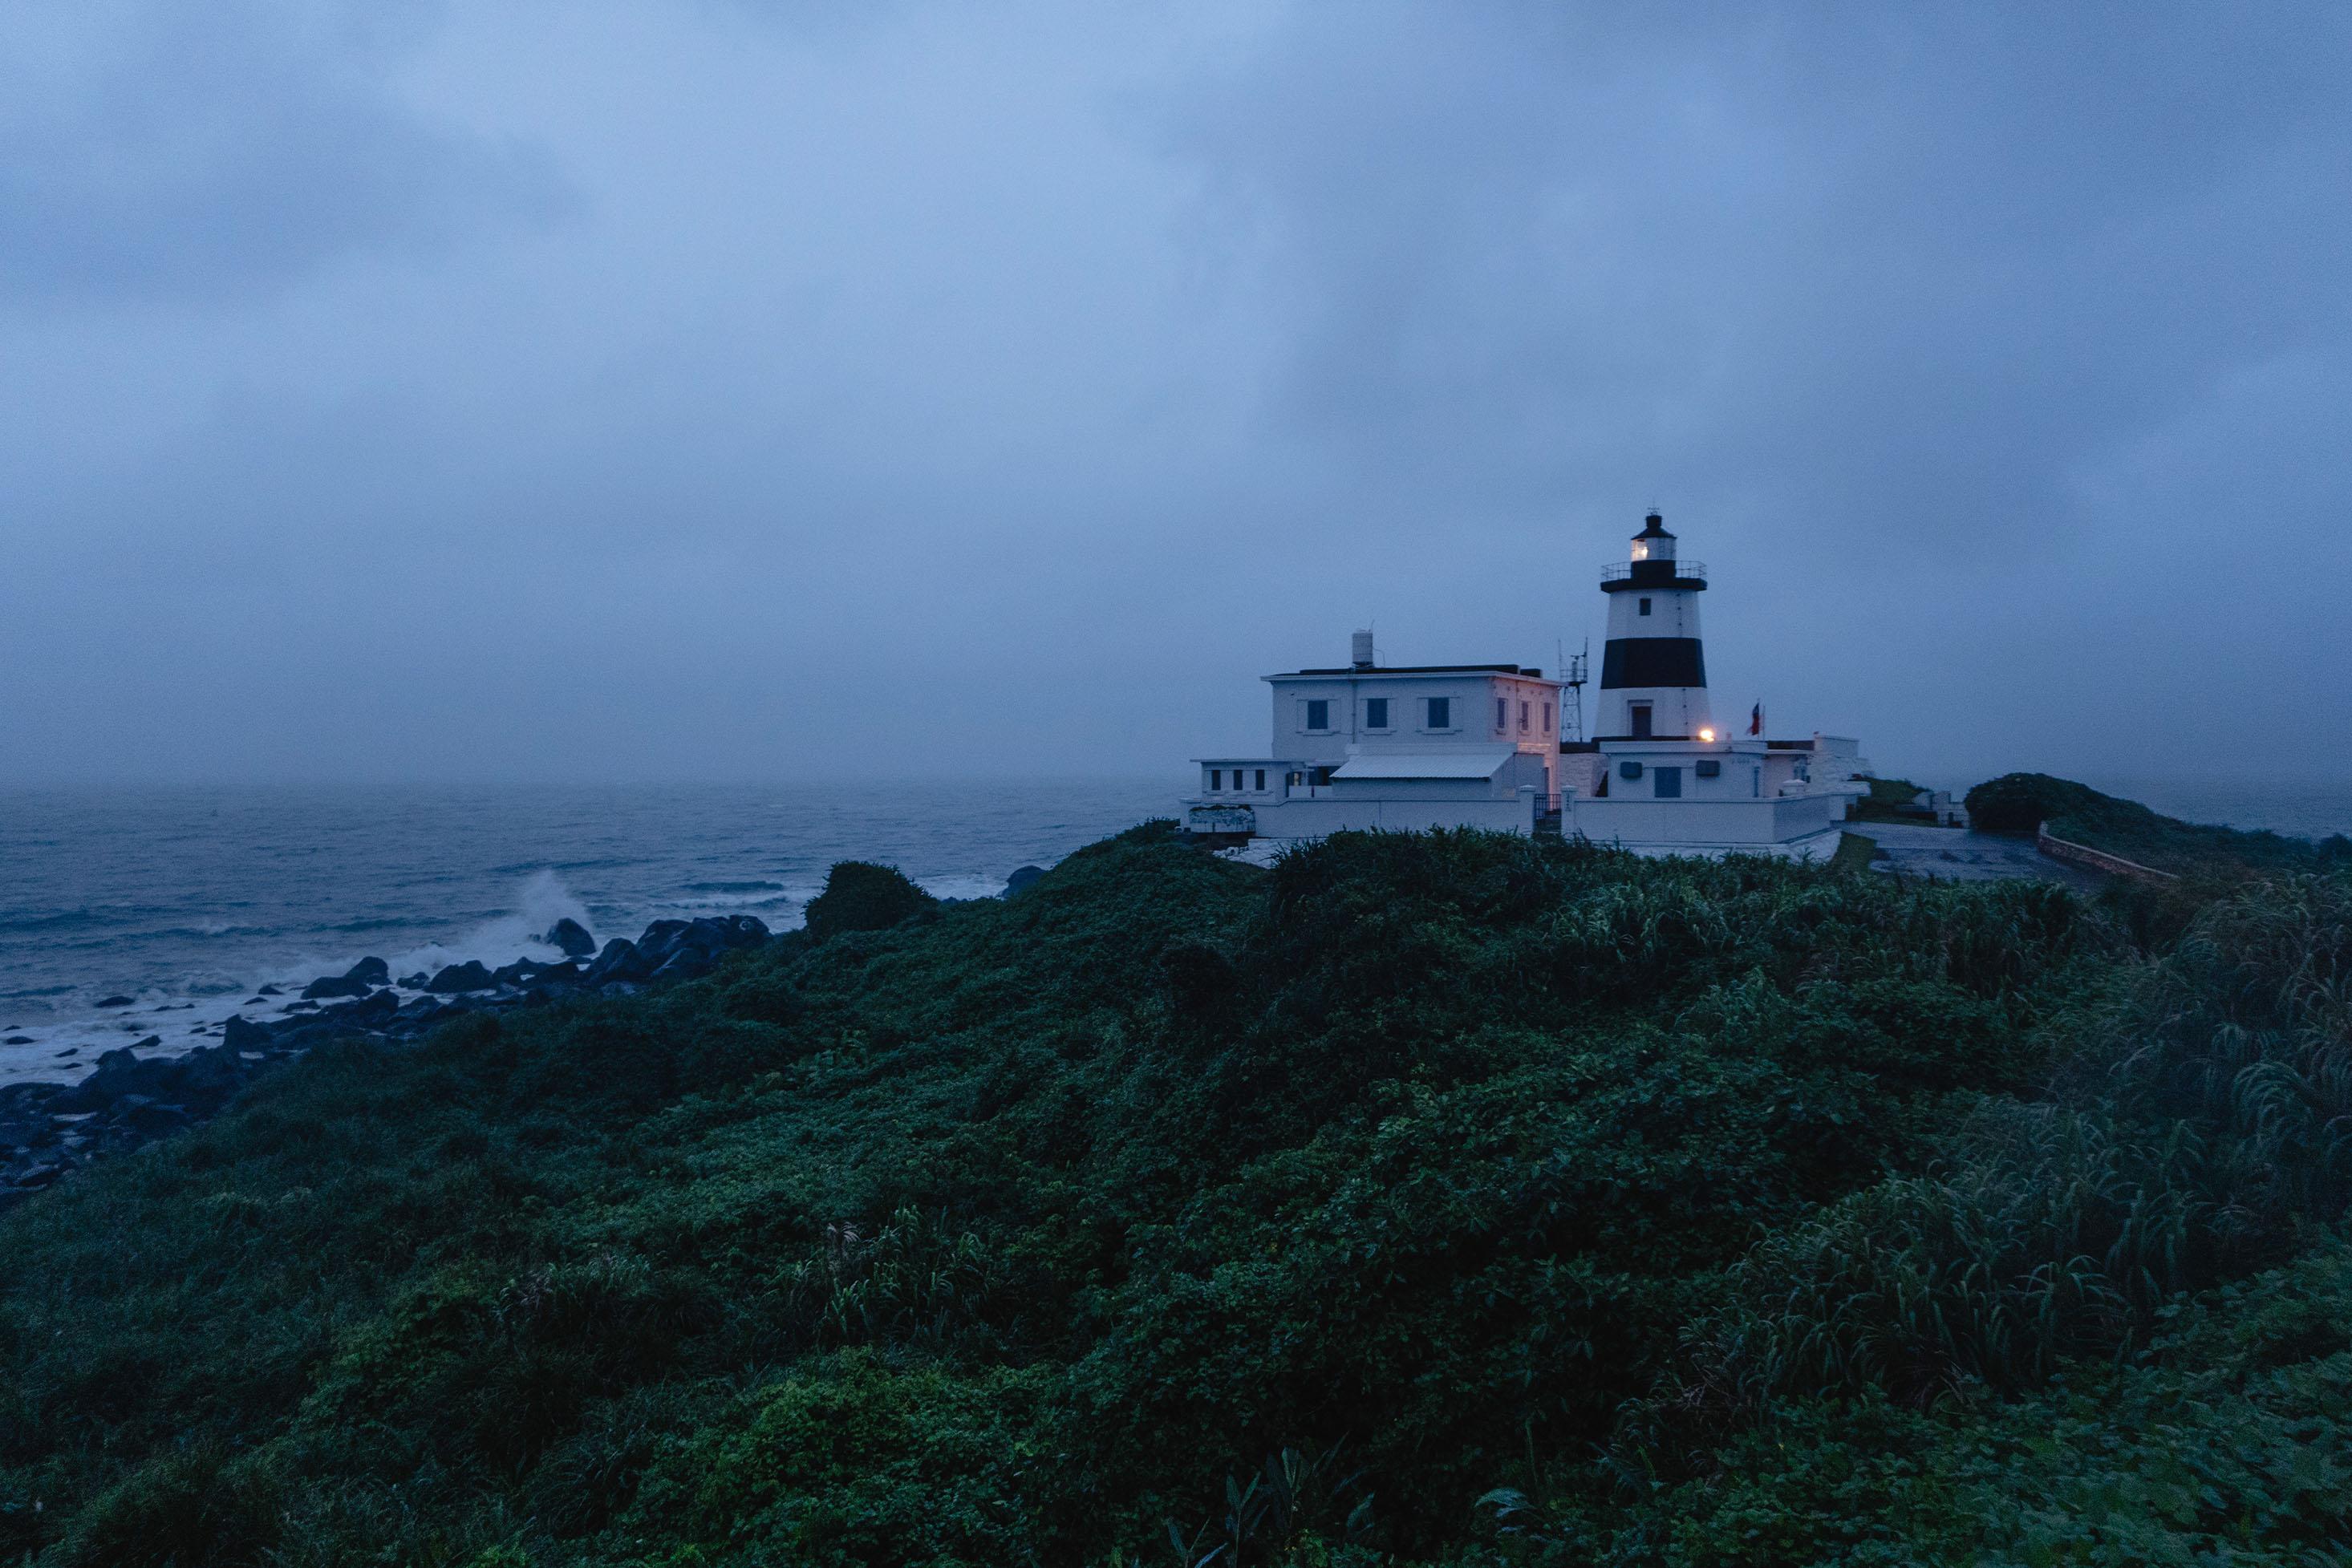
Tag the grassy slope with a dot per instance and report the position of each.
(2020, 802)
(1416, 1167)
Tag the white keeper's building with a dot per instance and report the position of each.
(1403, 747)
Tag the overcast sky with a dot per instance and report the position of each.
(586, 391)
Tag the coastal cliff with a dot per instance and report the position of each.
(1448, 1197)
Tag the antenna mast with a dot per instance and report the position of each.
(1571, 704)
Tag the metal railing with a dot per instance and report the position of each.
(1619, 570)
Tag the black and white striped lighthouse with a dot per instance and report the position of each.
(1653, 669)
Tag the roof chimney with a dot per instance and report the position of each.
(1360, 656)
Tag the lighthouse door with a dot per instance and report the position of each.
(1640, 715)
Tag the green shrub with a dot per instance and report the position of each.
(862, 896)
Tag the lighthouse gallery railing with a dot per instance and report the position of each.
(1619, 570)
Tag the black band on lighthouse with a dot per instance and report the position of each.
(1652, 662)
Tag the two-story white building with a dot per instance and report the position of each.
(1374, 746)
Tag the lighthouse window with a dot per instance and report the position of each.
(1640, 715)
(1669, 782)
(1375, 713)
(1441, 712)
(1629, 770)
(1710, 768)
(1216, 778)
(1645, 607)
(1318, 714)
(1261, 779)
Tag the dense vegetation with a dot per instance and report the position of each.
(1447, 1198)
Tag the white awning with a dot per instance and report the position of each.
(1468, 762)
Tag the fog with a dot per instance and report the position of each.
(703, 389)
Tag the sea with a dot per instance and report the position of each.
(187, 900)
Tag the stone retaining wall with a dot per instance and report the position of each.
(2097, 860)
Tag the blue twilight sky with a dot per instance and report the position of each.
(715, 388)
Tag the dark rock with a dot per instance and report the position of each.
(40, 1176)
(272, 991)
(334, 986)
(17, 1040)
(370, 972)
(119, 1073)
(685, 964)
(620, 960)
(243, 1034)
(422, 1014)
(532, 972)
(114, 1001)
(369, 1012)
(570, 939)
(306, 1034)
(156, 1121)
(469, 976)
(1021, 878)
(150, 1043)
(255, 1000)
(661, 939)
(412, 982)
(710, 935)
(302, 1007)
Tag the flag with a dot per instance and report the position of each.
(1756, 720)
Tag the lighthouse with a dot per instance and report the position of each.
(1654, 667)
(1660, 778)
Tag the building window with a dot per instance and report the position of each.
(1502, 713)
(1645, 607)
(1375, 713)
(1319, 775)
(1639, 714)
(1318, 714)
(1629, 770)
(1669, 783)
(1216, 779)
(1755, 783)
(1261, 780)
(1710, 768)
(1293, 779)
(1547, 719)
(1524, 718)
(1441, 712)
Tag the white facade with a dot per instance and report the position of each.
(1373, 746)
(1367, 745)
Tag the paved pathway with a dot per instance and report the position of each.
(1960, 854)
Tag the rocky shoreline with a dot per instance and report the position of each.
(49, 1130)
